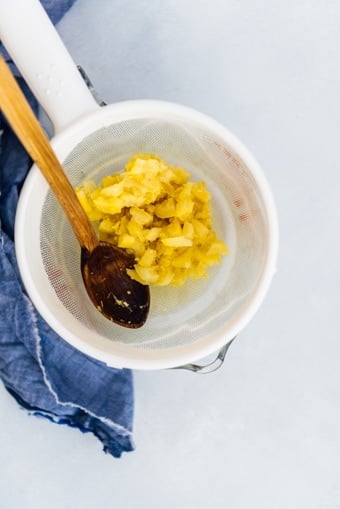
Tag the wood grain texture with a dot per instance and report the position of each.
(27, 128)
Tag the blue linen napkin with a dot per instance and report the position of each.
(45, 375)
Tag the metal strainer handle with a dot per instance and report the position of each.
(214, 365)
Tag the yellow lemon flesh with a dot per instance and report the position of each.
(158, 215)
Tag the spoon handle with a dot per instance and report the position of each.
(27, 128)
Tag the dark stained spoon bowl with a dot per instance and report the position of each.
(125, 302)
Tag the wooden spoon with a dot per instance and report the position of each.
(103, 265)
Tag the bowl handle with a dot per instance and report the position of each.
(211, 366)
(40, 55)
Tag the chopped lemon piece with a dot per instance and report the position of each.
(176, 242)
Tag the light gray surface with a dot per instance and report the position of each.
(264, 431)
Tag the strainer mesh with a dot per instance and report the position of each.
(177, 315)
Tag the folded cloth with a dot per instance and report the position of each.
(45, 375)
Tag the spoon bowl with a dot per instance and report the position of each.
(126, 303)
(104, 266)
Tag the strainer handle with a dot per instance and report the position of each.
(211, 366)
(39, 53)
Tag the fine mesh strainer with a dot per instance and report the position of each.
(185, 323)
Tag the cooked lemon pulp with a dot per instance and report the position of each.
(154, 211)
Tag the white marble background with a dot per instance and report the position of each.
(264, 431)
